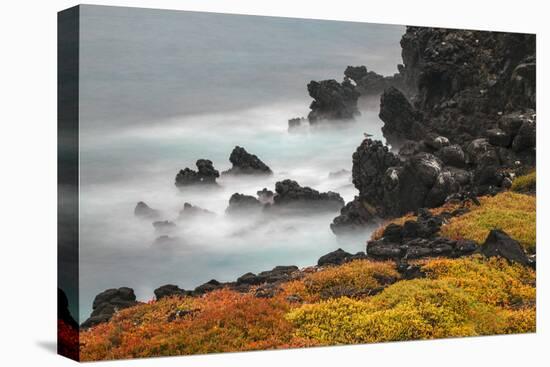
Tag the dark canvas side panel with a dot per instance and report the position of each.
(67, 181)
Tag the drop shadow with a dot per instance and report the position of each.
(48, 345)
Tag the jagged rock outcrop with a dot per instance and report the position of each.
(464, 79)
(243, 204)
(395, 187)
(245, 163)
(143, 210)
(401, 119)
(205, 174)
(107, 303)
(332, 100)
(369, 83)
(468, 126)
(290, 195)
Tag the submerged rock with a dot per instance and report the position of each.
(355, 216)
(297, 122)
(243, 204)
(164, 226)
(166, 241)
(205, 174)
(143, 210)
(265, 196)
(107, 303)
(190, 211)
(246, 163)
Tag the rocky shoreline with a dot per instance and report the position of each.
(461, 110)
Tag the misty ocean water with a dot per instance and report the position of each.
(153, 103)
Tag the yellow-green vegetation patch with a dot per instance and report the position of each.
(511, 212)
(356, 278)
(525, 183)
(435, 307)
(494, 281)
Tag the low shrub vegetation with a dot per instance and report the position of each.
(526, 183)
(511, 212)
(356, 278)
(221, 321)
(462, 297)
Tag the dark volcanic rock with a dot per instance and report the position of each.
(498, 137)
(205, 174)
(526, 137)
(265, 196)
(107, 303)
(209, 286)
(290, 195)
(467, 121)
(417, 239)
(498, 243)
(452, 155)
(355, 216)
(278, 274)
(409, 271)
(401, 120)
(371, 161)
(143, 210)
(333, 258)
(369, 83)
(332, 101)
(390, 186)
(419, 248)
(249, 278)
(170, 290)
(246, 163)
(190, 211)
(243, 204)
